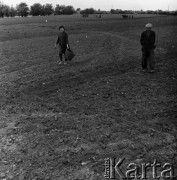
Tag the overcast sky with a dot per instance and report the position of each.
(106, 4)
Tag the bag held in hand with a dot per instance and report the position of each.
(69, 54)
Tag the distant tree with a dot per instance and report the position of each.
(174, 13)
(61, 9)
(1, 12)
(22, 9)
(36, 9)
(112, 11)
(88, 11)
(48, 9)
(12, 12)
(150, 12)
(58, 9)
(160, 11)
(6, 11)
(101, 12)
(1, 9)
(120, 11)
(68, 10)
(78, 9)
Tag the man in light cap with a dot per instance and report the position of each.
(148, 45)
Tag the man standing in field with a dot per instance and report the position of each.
(148, 45)
(63, 42)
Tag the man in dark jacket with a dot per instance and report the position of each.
(148, 45)
(63, 42)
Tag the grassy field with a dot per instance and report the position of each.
(61, 122)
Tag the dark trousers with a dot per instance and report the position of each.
(62, 51)
(148, 58)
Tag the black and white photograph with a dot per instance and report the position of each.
(88, 89)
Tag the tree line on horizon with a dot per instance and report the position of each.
(161, 12)
(38, 9)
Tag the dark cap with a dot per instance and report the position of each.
(61, 27)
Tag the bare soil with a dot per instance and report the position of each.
(59, 122)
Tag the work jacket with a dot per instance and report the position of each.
(62, 40)
(148, 39)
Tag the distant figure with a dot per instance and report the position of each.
(148, 45)
(85, 15)
(132, 16)
(124, 16)
(99, 16)
(63, 42)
